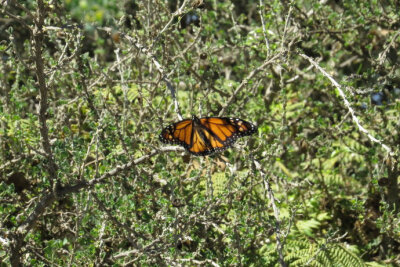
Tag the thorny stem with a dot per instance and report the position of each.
(38, 36)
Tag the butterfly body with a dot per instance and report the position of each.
(203, 136)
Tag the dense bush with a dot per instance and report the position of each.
(87, 86)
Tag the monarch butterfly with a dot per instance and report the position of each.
(206, 135)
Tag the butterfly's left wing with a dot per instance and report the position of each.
(178, 133)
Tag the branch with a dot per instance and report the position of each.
(62, 192)
(120, 225)
(37, 45)
(262, 7)
(37, 41)
(205, 262)
(176, 14)
(348, 105)
(153, 59)
(246, 80)
(271, 197)
(382, 55)
(50, 197)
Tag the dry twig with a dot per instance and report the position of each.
(348, 105)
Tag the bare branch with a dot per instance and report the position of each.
(271, 197)
(262, 7)
(348, 105)
(37, 41)
(382, 55)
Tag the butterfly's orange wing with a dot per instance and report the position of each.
(222, 132)
(178, 133)
(206, 135)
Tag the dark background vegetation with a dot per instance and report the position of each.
(86, 87)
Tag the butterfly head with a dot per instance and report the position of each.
(195, 119)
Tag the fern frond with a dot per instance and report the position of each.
(305, 253)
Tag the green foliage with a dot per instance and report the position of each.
(311, 253)
(310, 177)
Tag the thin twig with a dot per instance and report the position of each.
(246, 80)
(348, 105)
(382, 55)
(26, 10)
(41, 257)
(205, 262)
(263, 25)
(287, 24)
(124, 89)
(271, 197)
(174, 15)
(158, 66)
(131, 232)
